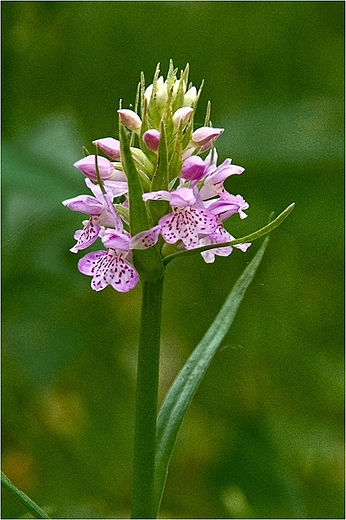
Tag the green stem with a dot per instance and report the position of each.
(29, 504)
(146, 402)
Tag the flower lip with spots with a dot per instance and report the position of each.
(109, 268)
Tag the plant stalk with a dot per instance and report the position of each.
(146, 401)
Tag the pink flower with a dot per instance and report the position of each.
(216, 175)
(109, 146)
(152, 139)
(143, 240)
(109, 268)
(227, 205)
(219, 236)
(182, 114)
(186, 222)
(100, 209)
(130, 119)
(86, 236)
(193, 168)
(203, 136)
(87, 166)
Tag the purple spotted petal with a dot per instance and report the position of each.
(218, 236)
(108, 268)
(145, 239)
(86, 236)
(186, 224)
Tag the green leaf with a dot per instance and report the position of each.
(29, 504)
(147, 261)
(176, 159)
(180, 395)
(138, 214)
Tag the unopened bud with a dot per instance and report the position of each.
(130, 119)
(190, 97)
(162, 95)
(109, 146)
(87, 166)
(152, 139)
(203, 136)
(182, 114)
(193, 168)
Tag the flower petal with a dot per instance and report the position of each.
(193, 168)
(145, 239)
(110, 146)
(87, 166)
(108, 268)
(186, 224)
(114, 240)
(85, 204)
(86, 236)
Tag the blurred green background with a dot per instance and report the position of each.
(264, 436)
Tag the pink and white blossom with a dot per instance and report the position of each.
(87, 166)
(109, 146)
(152, 139)
(220, 235)
(182, 115)
(130, 119)
(109, 268)
(192, 185)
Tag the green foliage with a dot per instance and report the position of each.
(264, 435)
(148, 262)
(182, 391)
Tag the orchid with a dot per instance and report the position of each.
(109, 268)
(99, 208)
(156, 197)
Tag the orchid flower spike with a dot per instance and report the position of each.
(156, 189)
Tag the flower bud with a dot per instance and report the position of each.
(182, 114)
(203, 136)
(162, 95)
(130, 119)
(109, 146)
(190, 97)
(193, 168)
(87, 166)
(148, 92)
(152, 139)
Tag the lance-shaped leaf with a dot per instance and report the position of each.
(26, 501)
(147, 261)
(176, 160)
(179, 397)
